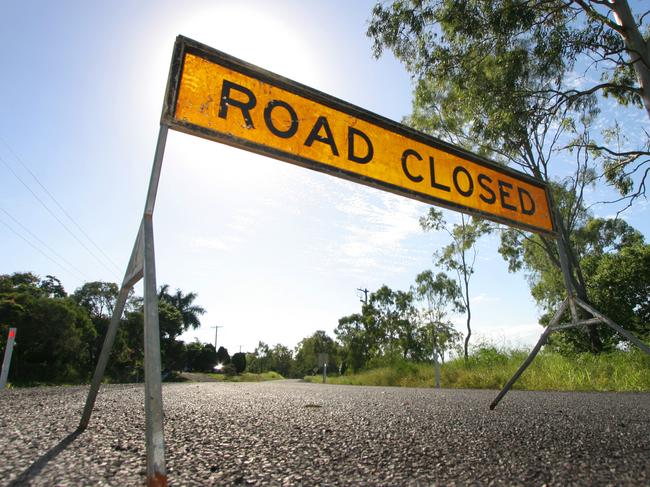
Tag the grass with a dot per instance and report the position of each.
(174, 377)
(247, 377)
(489, 368)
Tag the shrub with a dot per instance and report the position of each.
(229, 370)
(239, 361)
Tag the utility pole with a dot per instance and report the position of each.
(365, 295)
(216, 330)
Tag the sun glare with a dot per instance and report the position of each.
(275, 42)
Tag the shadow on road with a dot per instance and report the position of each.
(35, 468)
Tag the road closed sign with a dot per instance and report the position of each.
(213, 95)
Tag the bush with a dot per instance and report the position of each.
(229, 370)
(239, 361)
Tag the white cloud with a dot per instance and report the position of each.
(242, 221)
(376, 231)
(578, 81)
(484, 298)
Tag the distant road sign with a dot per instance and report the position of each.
(322, 359)
(213, 95)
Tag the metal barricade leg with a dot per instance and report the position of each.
(156, 472)
(103, 357)
(614, 326)
(533, 353)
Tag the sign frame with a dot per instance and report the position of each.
(142, 263)
(185, 45)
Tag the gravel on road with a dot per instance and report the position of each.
(295, 433)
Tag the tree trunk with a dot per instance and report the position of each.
(574, 284)
(639, 49)
(469, 319)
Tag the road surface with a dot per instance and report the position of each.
(294, 433)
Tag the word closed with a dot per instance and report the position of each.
(215, 96)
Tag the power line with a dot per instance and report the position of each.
(58, 204)
(35, 237)
(54, 215)
(34, 246)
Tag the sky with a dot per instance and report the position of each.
(274, 252)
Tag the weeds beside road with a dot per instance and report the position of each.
(489, 368)
(245, 377)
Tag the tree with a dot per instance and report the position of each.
(308, 349)
(459, 255)
(389, 328)
(521, 58)
(128, 350)
(281, 360)
(261, 355)
(391, 316)
(496, 76)
(223, 357)
(98, 299)
(438, 297)
(52, 287)
(132, 332)
(608, 251)
(184, 304)
(353, 333)
(201, 357)
(239, 361)
(278, 358)
(53, 331)
(620, 284)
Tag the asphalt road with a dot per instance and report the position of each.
(293, 433)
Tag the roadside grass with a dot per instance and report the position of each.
(247, 377)
(174, 377)
(490, 368)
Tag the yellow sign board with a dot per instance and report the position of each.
(216, 96)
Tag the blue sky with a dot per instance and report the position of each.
(274, 251)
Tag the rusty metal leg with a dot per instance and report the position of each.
(156, 472)
(133, 274)
(533, 353)
(524, 366)
(103, 357)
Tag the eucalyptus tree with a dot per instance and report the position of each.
(307, 351)
(516, 61)
(98, 297)
(437, 297)
(281, 360)
(393, 317)
(355, 336)
(459, 255)
(499, 77)
(614, 266)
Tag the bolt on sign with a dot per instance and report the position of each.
(213, 95)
